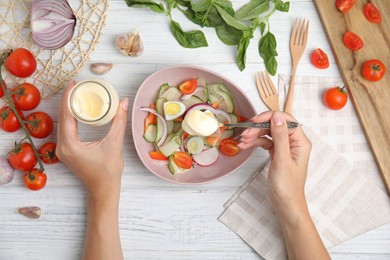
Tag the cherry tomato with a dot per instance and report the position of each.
(188, 86)
(22, 157)
(21, 63)
(335, 98)
(8, 121)
(183, 160)
(35, 179)
(242, 119)
(1, 89)
(47, 153)
(319, 59)
(228, 146)
(352, 41)
(39, 124)
(344, 5)
(157, 155)
(372, 13)
(373, 70)
(26, 96)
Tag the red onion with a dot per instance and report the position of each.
(165, 126)
(224, 114)
(52, 23)
(184, 97)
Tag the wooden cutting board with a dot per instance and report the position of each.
(371, 100)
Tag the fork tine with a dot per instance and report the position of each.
(264, 85)
(306, 34)
(260, 87)
(303, 32)
(270, 83)
(300, 32)
(294, 32)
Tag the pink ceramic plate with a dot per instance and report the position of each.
(147, 94)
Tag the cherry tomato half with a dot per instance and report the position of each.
(26, 96)
(228, 146)
(372, 13)
(39, 124)
(335, 98)
(22, 157)
(344, 5)
(352, 41)
(47, 153)
(35, 179)
(188, 86)
(8, 121)
(373, 70)
(21, 63)
(319, 59)
(183, 160)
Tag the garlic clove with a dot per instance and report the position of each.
(101, 68)
(6, 171)
(130, 44)
(30, 212)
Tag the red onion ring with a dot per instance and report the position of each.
(165, 126)
(224, 114)
(52, 23)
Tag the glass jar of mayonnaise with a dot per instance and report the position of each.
(93, 102)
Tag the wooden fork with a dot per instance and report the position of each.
(298, 42)
(267, 91)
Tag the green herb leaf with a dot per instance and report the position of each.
(267, 50)
(228, 35)
(157, 7)
(281, 6)
(252, 10)
(241, 51)
(201, 6)
(262, 28)
(230, 20)
(191, 39)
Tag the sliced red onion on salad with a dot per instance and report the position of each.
(165, 126)
(52, 23)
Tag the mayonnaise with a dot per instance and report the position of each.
(93, 102)
(199, 123)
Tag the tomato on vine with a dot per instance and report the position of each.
(26, 96)
(39, 124)
(1, 89)
(21, 63)
(8, 120)
(35, 179)
(22, 157)
(47, 153)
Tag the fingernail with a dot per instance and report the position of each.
(125, 104)
(278, 119)
(245, 132)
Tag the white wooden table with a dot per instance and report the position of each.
(158, 219)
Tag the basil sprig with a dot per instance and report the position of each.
(235, 28)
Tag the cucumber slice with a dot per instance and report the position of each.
(151, 133)
(226, 134)
(171, 145)
(160, 109)
(173, 168)
(192, 101)
(171, 126)
(164, 87)
(219, 93)
(202, 95)
(234, 118)
(172, 94)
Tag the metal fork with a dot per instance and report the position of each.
(298, 42)
(267, 91)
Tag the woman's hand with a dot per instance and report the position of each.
(289, 150)
(97, 164)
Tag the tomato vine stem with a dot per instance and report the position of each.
(8, 97)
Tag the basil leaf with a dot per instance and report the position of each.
(230, 20)
(262, 28)
(201, 6)
(228, 35)
(225, 4)
(157, 7)
(191, 39)
(252, 10)
(241, 52)
(281, 6)
(267, 50)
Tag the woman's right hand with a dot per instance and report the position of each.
(289, 151)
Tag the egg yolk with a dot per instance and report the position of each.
(172, 109)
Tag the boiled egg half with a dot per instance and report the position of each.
(199, 123)
(173, 109)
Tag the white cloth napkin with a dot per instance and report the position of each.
(343, 199)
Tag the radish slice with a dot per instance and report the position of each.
(207, 157)
(165, 126)
(225, 115)
(185, 97)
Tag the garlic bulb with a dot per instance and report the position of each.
(101, 68)
(130, 44)
(6, 171)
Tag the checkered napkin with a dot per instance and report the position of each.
(342, 198)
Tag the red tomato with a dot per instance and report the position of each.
(188, 86)
(39, 124)
(26, 96)
(242, 119)
(344, 5)
(183, 160)
(47, 153)
(21, 63)
(35, 179)
(319, 59)
(157, 155)
(228, 146)
(352, 41)
(1, 89)
(335, 98)
(372, 13)
(373, 70)
(8, 121)
(22, 157)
